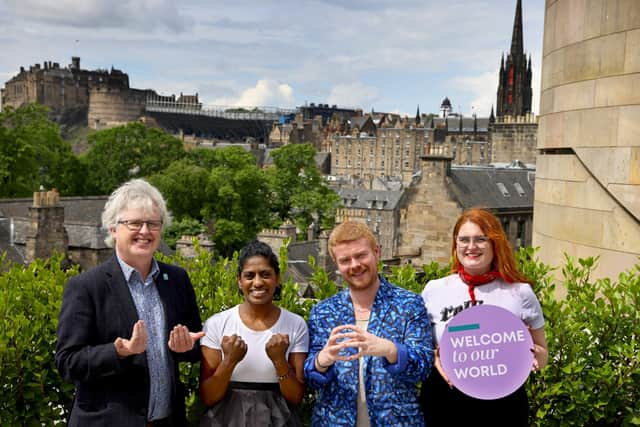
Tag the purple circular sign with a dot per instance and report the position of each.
(485, 351)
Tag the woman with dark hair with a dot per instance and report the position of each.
(484, 272)
(253, 353)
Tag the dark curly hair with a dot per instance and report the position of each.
(258, 248)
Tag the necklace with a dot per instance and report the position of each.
(361, 310)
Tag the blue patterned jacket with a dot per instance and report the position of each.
(398, 315)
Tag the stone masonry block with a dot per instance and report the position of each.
(629, 126)
(618, 90)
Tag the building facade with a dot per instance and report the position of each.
(64, 90)
(587, 199)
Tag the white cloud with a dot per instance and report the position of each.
(482, 89)
(355, 94)
(266, 93)
(400, 52)
(133, 14)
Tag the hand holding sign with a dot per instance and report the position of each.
(485, 352)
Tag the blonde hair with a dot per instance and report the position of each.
(349, 231)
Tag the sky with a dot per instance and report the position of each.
(382, 55)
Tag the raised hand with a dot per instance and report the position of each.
(366, 343)
(276, 347)
(181, 340)
(136, 344)
(233, 348)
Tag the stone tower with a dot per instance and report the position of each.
(46, 228)
(514, 84)
(587, 190)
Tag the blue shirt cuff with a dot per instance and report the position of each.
(321, 378)
(401, 363)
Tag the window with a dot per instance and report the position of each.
(519, 189)
(503, 189)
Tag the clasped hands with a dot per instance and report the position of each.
(180, 340)
(351, 336)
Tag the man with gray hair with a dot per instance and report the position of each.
(125, 324)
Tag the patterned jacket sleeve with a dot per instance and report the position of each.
(318, 336)
(415, 351)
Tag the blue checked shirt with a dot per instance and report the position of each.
(151, 311)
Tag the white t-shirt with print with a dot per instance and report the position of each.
(256, 366)
(449, 295)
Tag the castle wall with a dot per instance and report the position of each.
(587, 195)
(514, 139)
(110, 107)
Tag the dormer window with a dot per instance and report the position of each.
(503, 189)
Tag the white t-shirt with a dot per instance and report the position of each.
(446, 297)
(256, 366)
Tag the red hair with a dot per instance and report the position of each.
(503, 260)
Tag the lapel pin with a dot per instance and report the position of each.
(165, 276)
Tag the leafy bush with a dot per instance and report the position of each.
(593, 335)
(594, 346)
(32, 390)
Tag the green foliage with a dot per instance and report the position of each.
(30, 299)
(298, 191)
(184, 186)
(118, 154)
(594, 346)
(32, 153)
(593, 334)
(178, 228)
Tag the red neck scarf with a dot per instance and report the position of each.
(477, 280)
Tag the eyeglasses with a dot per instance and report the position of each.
(136, 224)
(467, 240)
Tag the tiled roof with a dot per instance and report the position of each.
(502, 188)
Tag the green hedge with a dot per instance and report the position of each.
(593, 334)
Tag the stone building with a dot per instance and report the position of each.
(109, 107)
(442, 191)
(587, 198)
(378, 209)
(64, 90)
(366, 151)
(33, 228)
(46, 232)
(513, 138)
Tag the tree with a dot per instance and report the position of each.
(184, 185)
(33, 154)
(298, 191)
(118, 154)
(237, 199)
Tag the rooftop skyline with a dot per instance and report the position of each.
(384, 55)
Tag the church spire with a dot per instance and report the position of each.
(418, 115)
(517, 46)
(514, 82)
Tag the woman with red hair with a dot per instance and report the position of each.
(484, 272)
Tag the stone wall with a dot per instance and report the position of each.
(46, 227)
(428, 214)
(514, 139)
(110, 107)
(587, 196)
